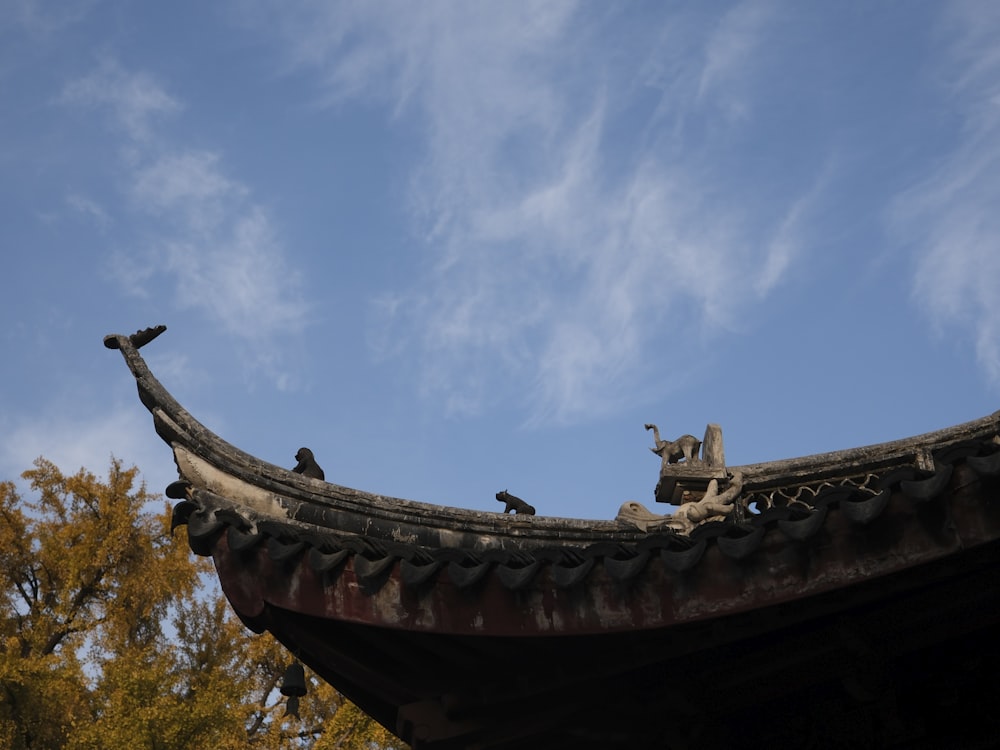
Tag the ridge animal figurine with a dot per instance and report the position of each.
(307, 465)
(514, 503)
(672, 451)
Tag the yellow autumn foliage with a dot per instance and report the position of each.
(113, 635)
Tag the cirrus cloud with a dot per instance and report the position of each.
(557, 254)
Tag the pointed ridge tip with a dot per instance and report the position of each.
(140, 338)
(137, 339)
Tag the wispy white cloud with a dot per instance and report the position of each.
(790, 235)
(187, 183)
(244, 282)
(951, 217)
(134, 98)
(85, 441)
(218, 246)
(40, 17)
(89, 208)
(560, 254)
(730, 54)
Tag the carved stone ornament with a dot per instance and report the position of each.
(684, 474)
(712, 506)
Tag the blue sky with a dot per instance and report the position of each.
(457, 247)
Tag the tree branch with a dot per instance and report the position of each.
(262, 713)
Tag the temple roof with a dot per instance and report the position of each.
(823, 579)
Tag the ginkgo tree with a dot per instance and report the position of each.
(111, 634)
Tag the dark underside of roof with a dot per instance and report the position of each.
(909, 663)
(900, 661)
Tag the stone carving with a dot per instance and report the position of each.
(682, 470)
(307, 465)
(514, 503)
(712, 506)
(671, 451)
(138, 339)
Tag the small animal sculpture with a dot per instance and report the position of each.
(672, 451)
(307, 465)
(514, 503)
